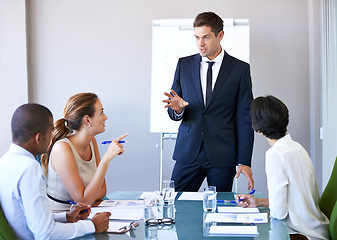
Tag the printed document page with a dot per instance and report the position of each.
(122, 213)
(121, 203)
(153, 194)
(237, 210)
(237, 218)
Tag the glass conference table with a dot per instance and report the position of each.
(189, 223)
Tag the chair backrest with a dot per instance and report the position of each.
(333, 223)
(329, 195)
(328, 202)
(6, 232)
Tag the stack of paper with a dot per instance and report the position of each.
(237, 231)
(235, 215)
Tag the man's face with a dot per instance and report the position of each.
(208, 44)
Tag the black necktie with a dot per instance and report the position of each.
(209, 81)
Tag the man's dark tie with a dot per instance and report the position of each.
(209, 81)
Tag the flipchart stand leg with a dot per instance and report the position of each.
(163, 136)
(161, 161)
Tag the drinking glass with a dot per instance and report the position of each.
(209, 199)
(150, 207)
(168, 191)
(169, 211)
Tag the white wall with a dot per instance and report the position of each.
(105, 47)
(315, 74)
(13, 65)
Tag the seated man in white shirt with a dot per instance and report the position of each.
(23, 195)
(292, 187)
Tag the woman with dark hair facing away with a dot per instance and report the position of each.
(72, 163)
(291, 181)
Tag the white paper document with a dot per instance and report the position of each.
(237, 218)
(122, 213)
(237, 231)
(237, 210)
(121, 203)
(117, 226)
(154, 194)
(196, 196)
(193, 196)
(147, 194)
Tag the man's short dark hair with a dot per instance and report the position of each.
(270, 116)
(209, 19)
(28, 120)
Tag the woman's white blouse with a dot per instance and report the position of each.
(292, 189)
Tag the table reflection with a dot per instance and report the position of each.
(278, 230)
(160, 232)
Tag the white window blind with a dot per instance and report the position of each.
(329, 87)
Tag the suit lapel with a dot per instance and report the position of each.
(225, 69)
(196, 77)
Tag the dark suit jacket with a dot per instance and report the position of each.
(224, 124)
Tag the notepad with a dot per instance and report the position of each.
(235, 231)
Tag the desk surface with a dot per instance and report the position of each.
(189, 223)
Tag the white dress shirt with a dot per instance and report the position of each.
(25, 204)
(203, 75)
(293, 192)
(215, 71)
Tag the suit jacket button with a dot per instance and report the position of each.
(202, 133)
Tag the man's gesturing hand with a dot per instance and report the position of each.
(175, 102)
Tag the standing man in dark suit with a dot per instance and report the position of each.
(211, 94)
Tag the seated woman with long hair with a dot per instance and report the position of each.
(72, 163)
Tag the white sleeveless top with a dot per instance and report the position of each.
(55, 186)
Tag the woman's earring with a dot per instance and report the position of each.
(89, 125)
